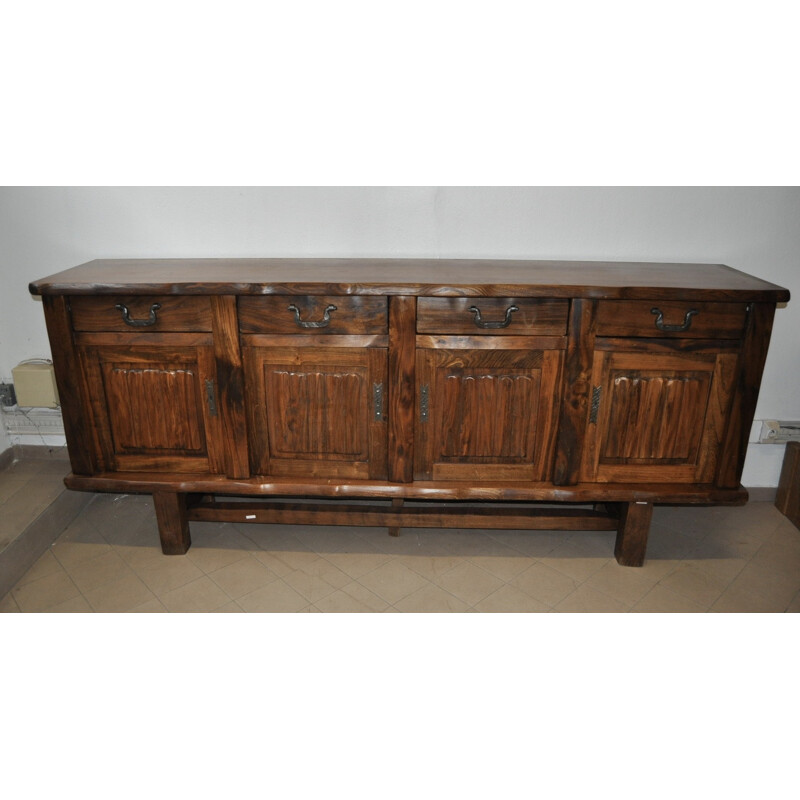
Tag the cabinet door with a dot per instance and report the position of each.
(657, 417)
(154, 407)
(317, 411)
(485, 414)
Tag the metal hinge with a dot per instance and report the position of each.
(595, 403)
(377, 402)
(211, 398)
(423, 403)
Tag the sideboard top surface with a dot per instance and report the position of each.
(440, 277)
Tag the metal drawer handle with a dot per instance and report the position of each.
(138, 323)
(326, 317)
(481, 324)
(687, 321)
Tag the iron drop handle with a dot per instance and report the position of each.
(503, 324)
(687, 321)
(138, 323)
(326, 317)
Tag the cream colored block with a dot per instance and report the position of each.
(35, 386)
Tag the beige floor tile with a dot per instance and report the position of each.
(780, 587)
(277, 597)
(468, 582)
(352, 598)
(785, 534)
(317, 579)
(695, 583)
(357, 564)
(534, 544)
(508, 600)
(138, 556)
(9, 487)
(740, 600)
(726, 569)
(656, 567)
(120, 595)
(70, 554)
(431, 599)
(94, 572)
(574, 562)
(325, 539)
(167, 573)
(200, 595)
(154, 606)
(429, 567)
(75, 605)
(242, 577)
(8, 605)
(544, 583)
(660, 600)
(46, 564)
(26, 505)
(667, 543)
(229, 608)
(282, 562)
(794, 606)
(210, 559)
(778, 557)
(595, 544)
(585, 599)
(392, 581)
(470, 542)
(505, 567)
(45, 592)
(730, 543)
(626, 584)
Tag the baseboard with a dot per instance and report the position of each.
(762, 494)
(35, 452)
(7, 458)
(21, 554)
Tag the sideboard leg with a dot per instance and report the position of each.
(634, 525)
(173, 522)
(397, 504)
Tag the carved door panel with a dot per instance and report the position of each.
(485, 414)
(154, 407)
(658, 417)
(317, 411)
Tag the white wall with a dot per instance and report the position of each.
(45, 230)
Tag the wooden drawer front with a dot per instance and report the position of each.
(313, 315)
(453, 315)
(145, 313)
(668, 318)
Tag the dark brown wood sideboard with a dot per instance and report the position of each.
(447, 393)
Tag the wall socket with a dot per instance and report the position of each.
(8, 397)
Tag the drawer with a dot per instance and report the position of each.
(494, 316)
(313, 314)
(140, 313)
(670, 318)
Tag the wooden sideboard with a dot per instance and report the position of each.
(449, 393)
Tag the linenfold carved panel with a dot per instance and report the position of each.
(141, 420)
(655, 417)
(317, 412)
(489, 416)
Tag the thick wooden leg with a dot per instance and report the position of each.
(634, 525)
(397, 504)
(173, 522)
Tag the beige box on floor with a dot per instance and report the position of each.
(35, 386)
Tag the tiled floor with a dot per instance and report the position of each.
(108, 559)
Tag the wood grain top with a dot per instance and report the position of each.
(440, 277)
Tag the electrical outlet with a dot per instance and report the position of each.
(775, 431)
(8, 397)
